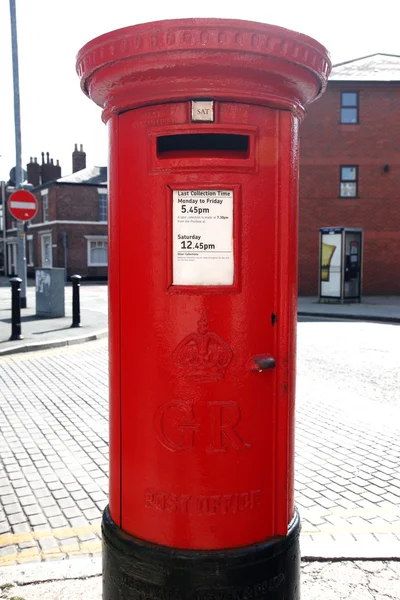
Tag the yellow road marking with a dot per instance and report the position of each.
(70, 548)
(21, 560)
(29, 552)
(61, 532)
(95, 546)
(54, 554)
(32, 554)
(8, 560)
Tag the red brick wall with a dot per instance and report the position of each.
(77, 202)
(373, 143)
(77, 253)
(69, 202)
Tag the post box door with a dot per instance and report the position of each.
(205, 417)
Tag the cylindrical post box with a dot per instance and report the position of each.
(203, 118)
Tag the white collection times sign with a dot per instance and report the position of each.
(202, 233)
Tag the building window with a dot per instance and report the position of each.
(98, 252)
(348, 181)
(47, 250)
(12, 258)
(103, 214)
(349, 107)
(45, 200)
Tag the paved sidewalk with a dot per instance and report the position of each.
(378, 580)
(372, 308)
(54, 438)
(41, 333)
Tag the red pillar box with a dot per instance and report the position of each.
(203, 116)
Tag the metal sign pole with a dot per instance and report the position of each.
(65, 247)
(21, 268)
(4, 227)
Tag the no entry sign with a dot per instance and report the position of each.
(22, 205)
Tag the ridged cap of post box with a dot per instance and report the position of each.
(231, 60)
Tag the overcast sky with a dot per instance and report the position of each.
(56, 114)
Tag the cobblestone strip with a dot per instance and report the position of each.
(47, 544)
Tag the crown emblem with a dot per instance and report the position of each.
(204, 355)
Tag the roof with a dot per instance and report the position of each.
(90, 175)
(375, 67)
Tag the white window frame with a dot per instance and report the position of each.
(95, 238)
(349, 187)
(102, 192)
(45, 200)
(12, 255)
(44, 234)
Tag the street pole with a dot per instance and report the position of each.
(4, 226)
(21, 262)
(65, 247)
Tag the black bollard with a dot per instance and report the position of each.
(16, 309)
(76, 307)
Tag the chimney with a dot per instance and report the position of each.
(78, 159)
(57, 170)
(48, 170)
(33, 170)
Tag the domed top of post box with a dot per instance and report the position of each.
(231, 60)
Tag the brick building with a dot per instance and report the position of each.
(70, 228)
(350, 170)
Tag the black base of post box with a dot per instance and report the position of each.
(134, 569)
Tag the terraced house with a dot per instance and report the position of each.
(70, 228)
